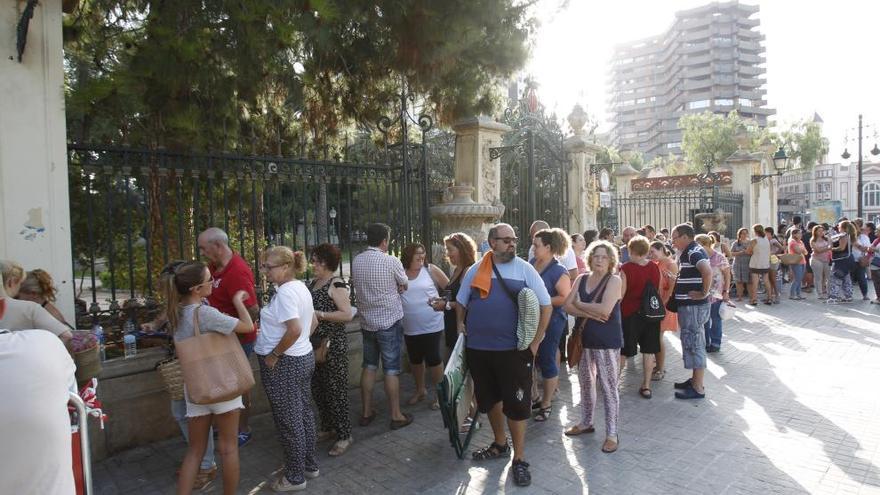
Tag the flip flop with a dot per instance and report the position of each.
(645, 393)
(577, 430)
(610, 449)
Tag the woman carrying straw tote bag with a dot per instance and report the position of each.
(213, 368)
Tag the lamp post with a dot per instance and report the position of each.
(332, 214)
(859, 183)
(780, 163)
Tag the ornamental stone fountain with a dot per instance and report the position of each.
(473, 203)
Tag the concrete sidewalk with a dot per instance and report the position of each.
(791, 407)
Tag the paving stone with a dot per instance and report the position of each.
(786, 412)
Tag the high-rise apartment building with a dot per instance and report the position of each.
(710, 59)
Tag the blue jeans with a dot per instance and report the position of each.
(692, 320)
(178, 410)
(713, 325)
(797, 277)
(388, 343)
(859, 277)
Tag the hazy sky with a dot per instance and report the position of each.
(822, 56)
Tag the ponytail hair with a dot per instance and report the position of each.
(661, 246)
(557, 239)
(295, 260)
(39, 282)
(176, 280)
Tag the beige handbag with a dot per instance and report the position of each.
(214, 366)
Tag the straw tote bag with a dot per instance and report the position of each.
(214, 366)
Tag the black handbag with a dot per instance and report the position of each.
(672, 303)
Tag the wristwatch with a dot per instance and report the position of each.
(275, 353)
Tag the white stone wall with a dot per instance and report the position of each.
(34, 209)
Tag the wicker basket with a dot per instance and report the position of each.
(172, 377)
(88, 364)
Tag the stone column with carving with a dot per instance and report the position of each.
(583, 192)
(759, 199)
(473, 204)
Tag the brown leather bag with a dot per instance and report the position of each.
(575, 347)
(322, 350)
(214, 366)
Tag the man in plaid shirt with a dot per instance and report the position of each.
(378, 279)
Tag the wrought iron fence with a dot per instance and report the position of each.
(668, 209)
(134, 210)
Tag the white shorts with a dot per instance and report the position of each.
(194, 410)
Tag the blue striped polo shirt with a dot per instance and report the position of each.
(689, 277)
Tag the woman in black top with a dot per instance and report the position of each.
(461, 251)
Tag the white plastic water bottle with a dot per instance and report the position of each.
(98, 330)
(129, 339)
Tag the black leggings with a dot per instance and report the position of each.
(424, 348)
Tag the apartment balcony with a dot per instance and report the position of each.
(692, 72)
(749, 70)
(748, 23)
(750, 35)
(751, 58)
(750, 82)
(749, 46)
(691, 48)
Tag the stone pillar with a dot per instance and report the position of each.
(34, 206)
(473, 204)
(759, 200)
(583, 192)
(474, 137)
(623, 177)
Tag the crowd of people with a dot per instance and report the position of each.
(601, 298)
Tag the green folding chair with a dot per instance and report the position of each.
(456, 393)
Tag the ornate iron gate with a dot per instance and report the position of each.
(133, 210)
(534, 169)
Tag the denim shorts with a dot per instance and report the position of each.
(691, 319)
(248, 348)
(388, 343)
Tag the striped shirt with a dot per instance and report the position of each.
(689, 277)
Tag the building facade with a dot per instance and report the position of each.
(710, 59)
(800, 192)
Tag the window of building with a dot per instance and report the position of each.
(724, 101)
(698, 104)
(744, 102)
(673, 145)
(871, 194)
(844, 191)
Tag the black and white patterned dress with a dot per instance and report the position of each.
(330, 382)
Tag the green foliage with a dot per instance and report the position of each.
(804, 143)
(260, 76)
(711, 138)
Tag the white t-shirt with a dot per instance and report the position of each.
(864, 240)
(37, 376)
(568, 260)
(292, 300)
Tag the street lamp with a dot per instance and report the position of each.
(780, 163)
(332, 214)
(845, 155)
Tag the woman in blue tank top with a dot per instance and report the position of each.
(548, 244)
(596, 304)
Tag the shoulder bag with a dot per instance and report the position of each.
(672, 303)
(214, 366)
(575, 347)
(528, 312)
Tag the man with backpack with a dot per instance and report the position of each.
(641, 309)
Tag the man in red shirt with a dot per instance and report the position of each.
(231, 274)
